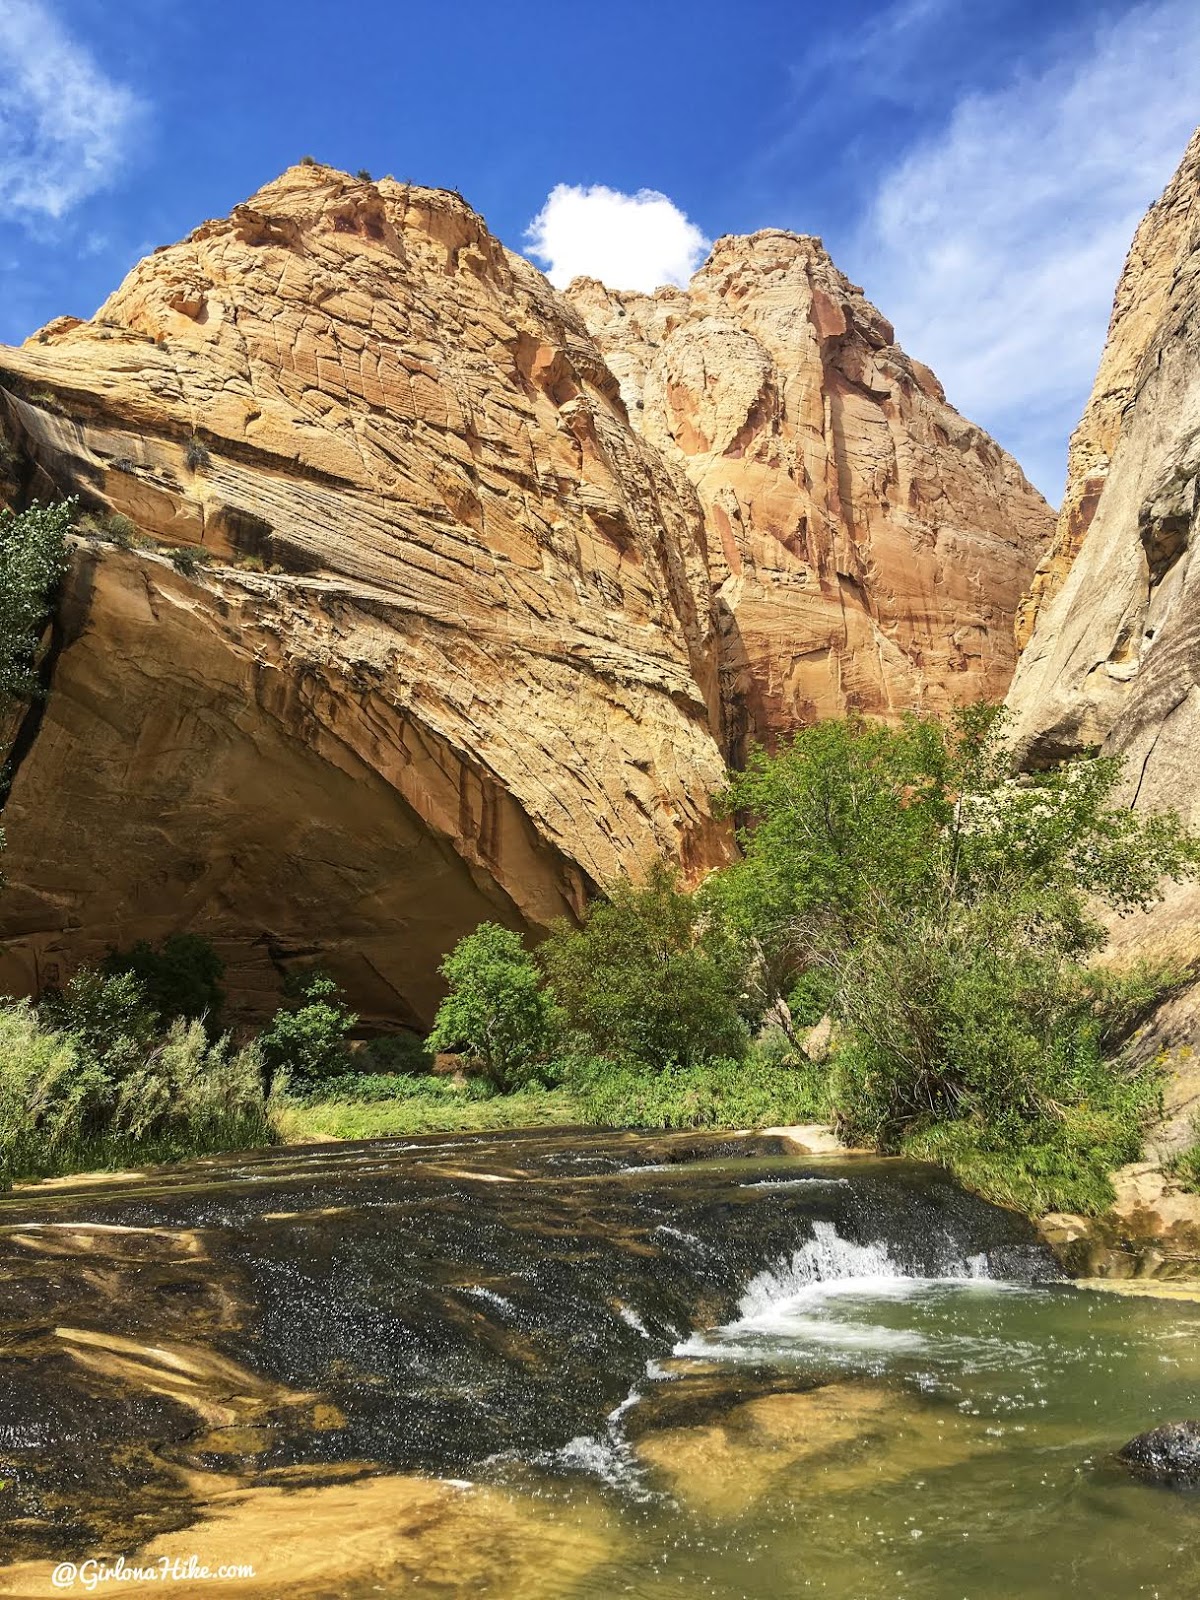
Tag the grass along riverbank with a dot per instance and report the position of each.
(454, 1111)
(753, 1093)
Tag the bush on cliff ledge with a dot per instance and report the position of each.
(33, 559)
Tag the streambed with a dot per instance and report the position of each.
(577, 1365)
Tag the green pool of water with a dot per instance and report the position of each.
(960, 1448)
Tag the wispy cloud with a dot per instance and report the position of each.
(628, 241)
(995, 244)
(65, 126)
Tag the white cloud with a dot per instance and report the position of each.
(995, 246)
(628, 241)
(64, 125)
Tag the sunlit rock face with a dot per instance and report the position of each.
(478, 675)
(479, 624)
(1148, 285)
(868, 546)
(1114, 658)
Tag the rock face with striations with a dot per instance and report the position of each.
(1113, 661)
(867, 544)
(1160, 246)
(478, 674)
(453, 651)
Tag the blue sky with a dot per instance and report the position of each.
(978, 165)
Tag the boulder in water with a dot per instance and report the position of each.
(1167, 1454)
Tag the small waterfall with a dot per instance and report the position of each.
(832, 1262)
(827, 1296)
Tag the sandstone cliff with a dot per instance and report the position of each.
(480, 674)
(1160, 247)
(454, 652)
(1114, 659)
(867, 544)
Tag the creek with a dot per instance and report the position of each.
(573, 1366)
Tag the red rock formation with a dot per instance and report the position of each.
(478, 673)
(453, 652)
(867, 544)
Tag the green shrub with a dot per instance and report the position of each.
(1185, 1167)
(182, 978)
(114, 526)
(497, 1013)
(66, 1105)
(189, 558)
(813, 996)
(194, 1094)
(974, 1020)
(197, 454)
(646, 979)
(51, 1094)
(1059, 1165)
(747, 1093)
(307, 1042)
(944, 913)
(363, 175)
(108, 1016)
(703, 1095)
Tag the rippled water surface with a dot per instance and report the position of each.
(580, 1366)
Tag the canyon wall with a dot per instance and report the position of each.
(1161, 246)
(418, 626)
(867, 544)
(454, 655)
(1113, 661)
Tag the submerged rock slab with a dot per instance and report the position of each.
(432, 1305)
(355, 1537)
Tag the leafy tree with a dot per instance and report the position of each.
(648, 978)
(308, 1041)
(947, 908)
(497, 1012)
(182, 978)
(852, 827)
(33, 558)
